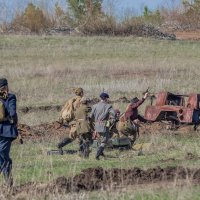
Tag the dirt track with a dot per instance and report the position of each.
(188, 35)
(99, 178)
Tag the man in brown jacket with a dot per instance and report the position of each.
(132, 109)
(128, 122)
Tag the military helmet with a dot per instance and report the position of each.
(134, 100)
(78, 91)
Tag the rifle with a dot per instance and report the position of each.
(146, 91)
(151, 95)
(113, 124)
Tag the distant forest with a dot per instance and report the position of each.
(88, 17)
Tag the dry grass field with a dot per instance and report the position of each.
(42, 70)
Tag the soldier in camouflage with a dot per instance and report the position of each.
(67, 116)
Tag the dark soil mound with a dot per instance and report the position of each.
(98, 178)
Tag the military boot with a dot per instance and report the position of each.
(81, 148)
(63, 143)
(86, 151)
(100, 152)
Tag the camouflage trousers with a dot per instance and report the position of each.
(128, 129)
(73, 133)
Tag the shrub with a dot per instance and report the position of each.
(190, 17)
(82, 11)
(33, 18)
(150, 17)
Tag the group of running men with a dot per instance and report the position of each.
(98, 122)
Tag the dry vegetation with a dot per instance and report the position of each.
(42, 70)
(32, 165)
(89, 18)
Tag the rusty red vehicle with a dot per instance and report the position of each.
(176, 108)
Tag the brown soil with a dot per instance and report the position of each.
(49, 130)
(98, 178)
(42, 130)
(187, 35)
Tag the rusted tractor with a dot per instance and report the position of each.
(175, 109)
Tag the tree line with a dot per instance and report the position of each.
(88, 17)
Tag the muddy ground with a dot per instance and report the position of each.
(48, 130)
(98, 178)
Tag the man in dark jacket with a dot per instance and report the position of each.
(8, 130)
(101, 113)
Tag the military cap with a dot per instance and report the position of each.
(78, 91)
(104, 95)
(134, 100)
(3, 82)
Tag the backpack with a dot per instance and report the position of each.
(2, 111)
(67, 112)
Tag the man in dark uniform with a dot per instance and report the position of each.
(8, 130)
(101, 113)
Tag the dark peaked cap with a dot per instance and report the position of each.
(104, 95)
(3, 82)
